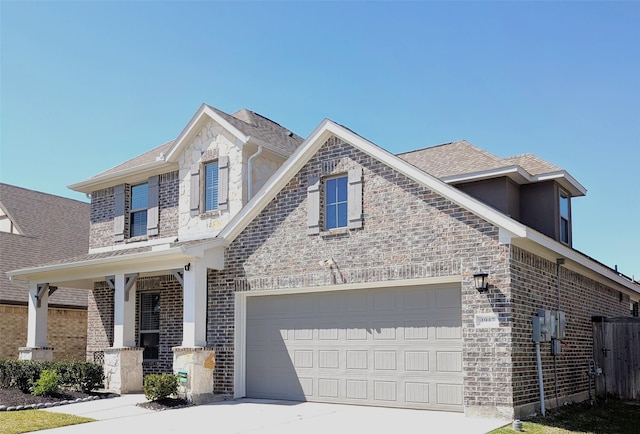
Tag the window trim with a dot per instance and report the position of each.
(204, 186)
(325, 203)
(564, 220)
(142, 211)
(142, 331)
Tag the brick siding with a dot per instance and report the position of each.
(101, 311)
(66, 332)
(534, 282)
(102, 211)
(409, 231)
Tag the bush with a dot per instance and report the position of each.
(22, 374)
(160, 386)
(48, 384)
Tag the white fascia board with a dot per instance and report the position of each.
(100, 267)
(266, 145)
(316, 139)
(516, 173)
(572, 255)
(190, 129)
(131, 174)
(570, 183)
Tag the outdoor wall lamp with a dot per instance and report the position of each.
(480, 279)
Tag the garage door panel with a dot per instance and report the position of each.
(393, 347)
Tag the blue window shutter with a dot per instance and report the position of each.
(313, 205)
(223, 182)
(354, 210)
(153, 210)
(195, 188)
(119, 212)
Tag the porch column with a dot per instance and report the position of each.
(124, 330)
(36, 348)
(194, 327)
(123, 362)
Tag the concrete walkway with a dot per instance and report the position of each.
(121, 415)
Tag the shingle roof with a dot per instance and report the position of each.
(260, 127)
(249, 123)
(140, 160)
(459, 158)
(52, 228)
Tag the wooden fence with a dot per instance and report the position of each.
(616, 350)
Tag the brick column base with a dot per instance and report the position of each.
(123, 370)
(35, 353)
(194, 368)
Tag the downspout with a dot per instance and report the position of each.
(249, 170)
(559, 262)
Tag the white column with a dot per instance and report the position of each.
(124, 314)
(194, 327)
(37, 326)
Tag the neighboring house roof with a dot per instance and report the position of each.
(461, 161)
(51, 228)
(244, 124)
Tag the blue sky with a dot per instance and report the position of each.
(87, 85)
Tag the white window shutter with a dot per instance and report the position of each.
(195, 188)
(119, 212)
(153, 210)
(354, 195)
(223, 182)
(313, 205)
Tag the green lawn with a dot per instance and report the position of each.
(16, 422)
(611, 417)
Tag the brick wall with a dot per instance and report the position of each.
(534, 282)
(100, 319)
(66, 333)
(408, 232)
(102, 209)
(170, 319)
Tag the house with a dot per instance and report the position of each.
(332, 270)
(37, 228)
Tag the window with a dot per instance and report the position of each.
(150, 325)
(211, 186)
(564, 217)
(340, 200)
(335, 202)
(138, 211)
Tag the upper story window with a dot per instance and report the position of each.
(564, 217)
(138, 211)
(334, 202)
(211, 186)
(335, 205)
(150, 325)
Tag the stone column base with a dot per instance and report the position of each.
(123, 370)
(35, 353)
(194, 368)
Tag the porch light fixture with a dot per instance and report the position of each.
(480, 279)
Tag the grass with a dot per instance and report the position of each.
(16, 422)
(610, 417)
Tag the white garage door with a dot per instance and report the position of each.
(397, 347)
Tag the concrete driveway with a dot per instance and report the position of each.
(257, 416)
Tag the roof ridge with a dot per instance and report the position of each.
(38, 192)
(434, 146)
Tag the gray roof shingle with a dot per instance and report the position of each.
(461, 157)
(52, 228)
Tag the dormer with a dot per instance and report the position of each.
(525, 187)
(188, 188)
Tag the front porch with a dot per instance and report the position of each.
(147, 314)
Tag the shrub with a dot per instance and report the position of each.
(22, 374)
(48, 384)
(160, 386)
